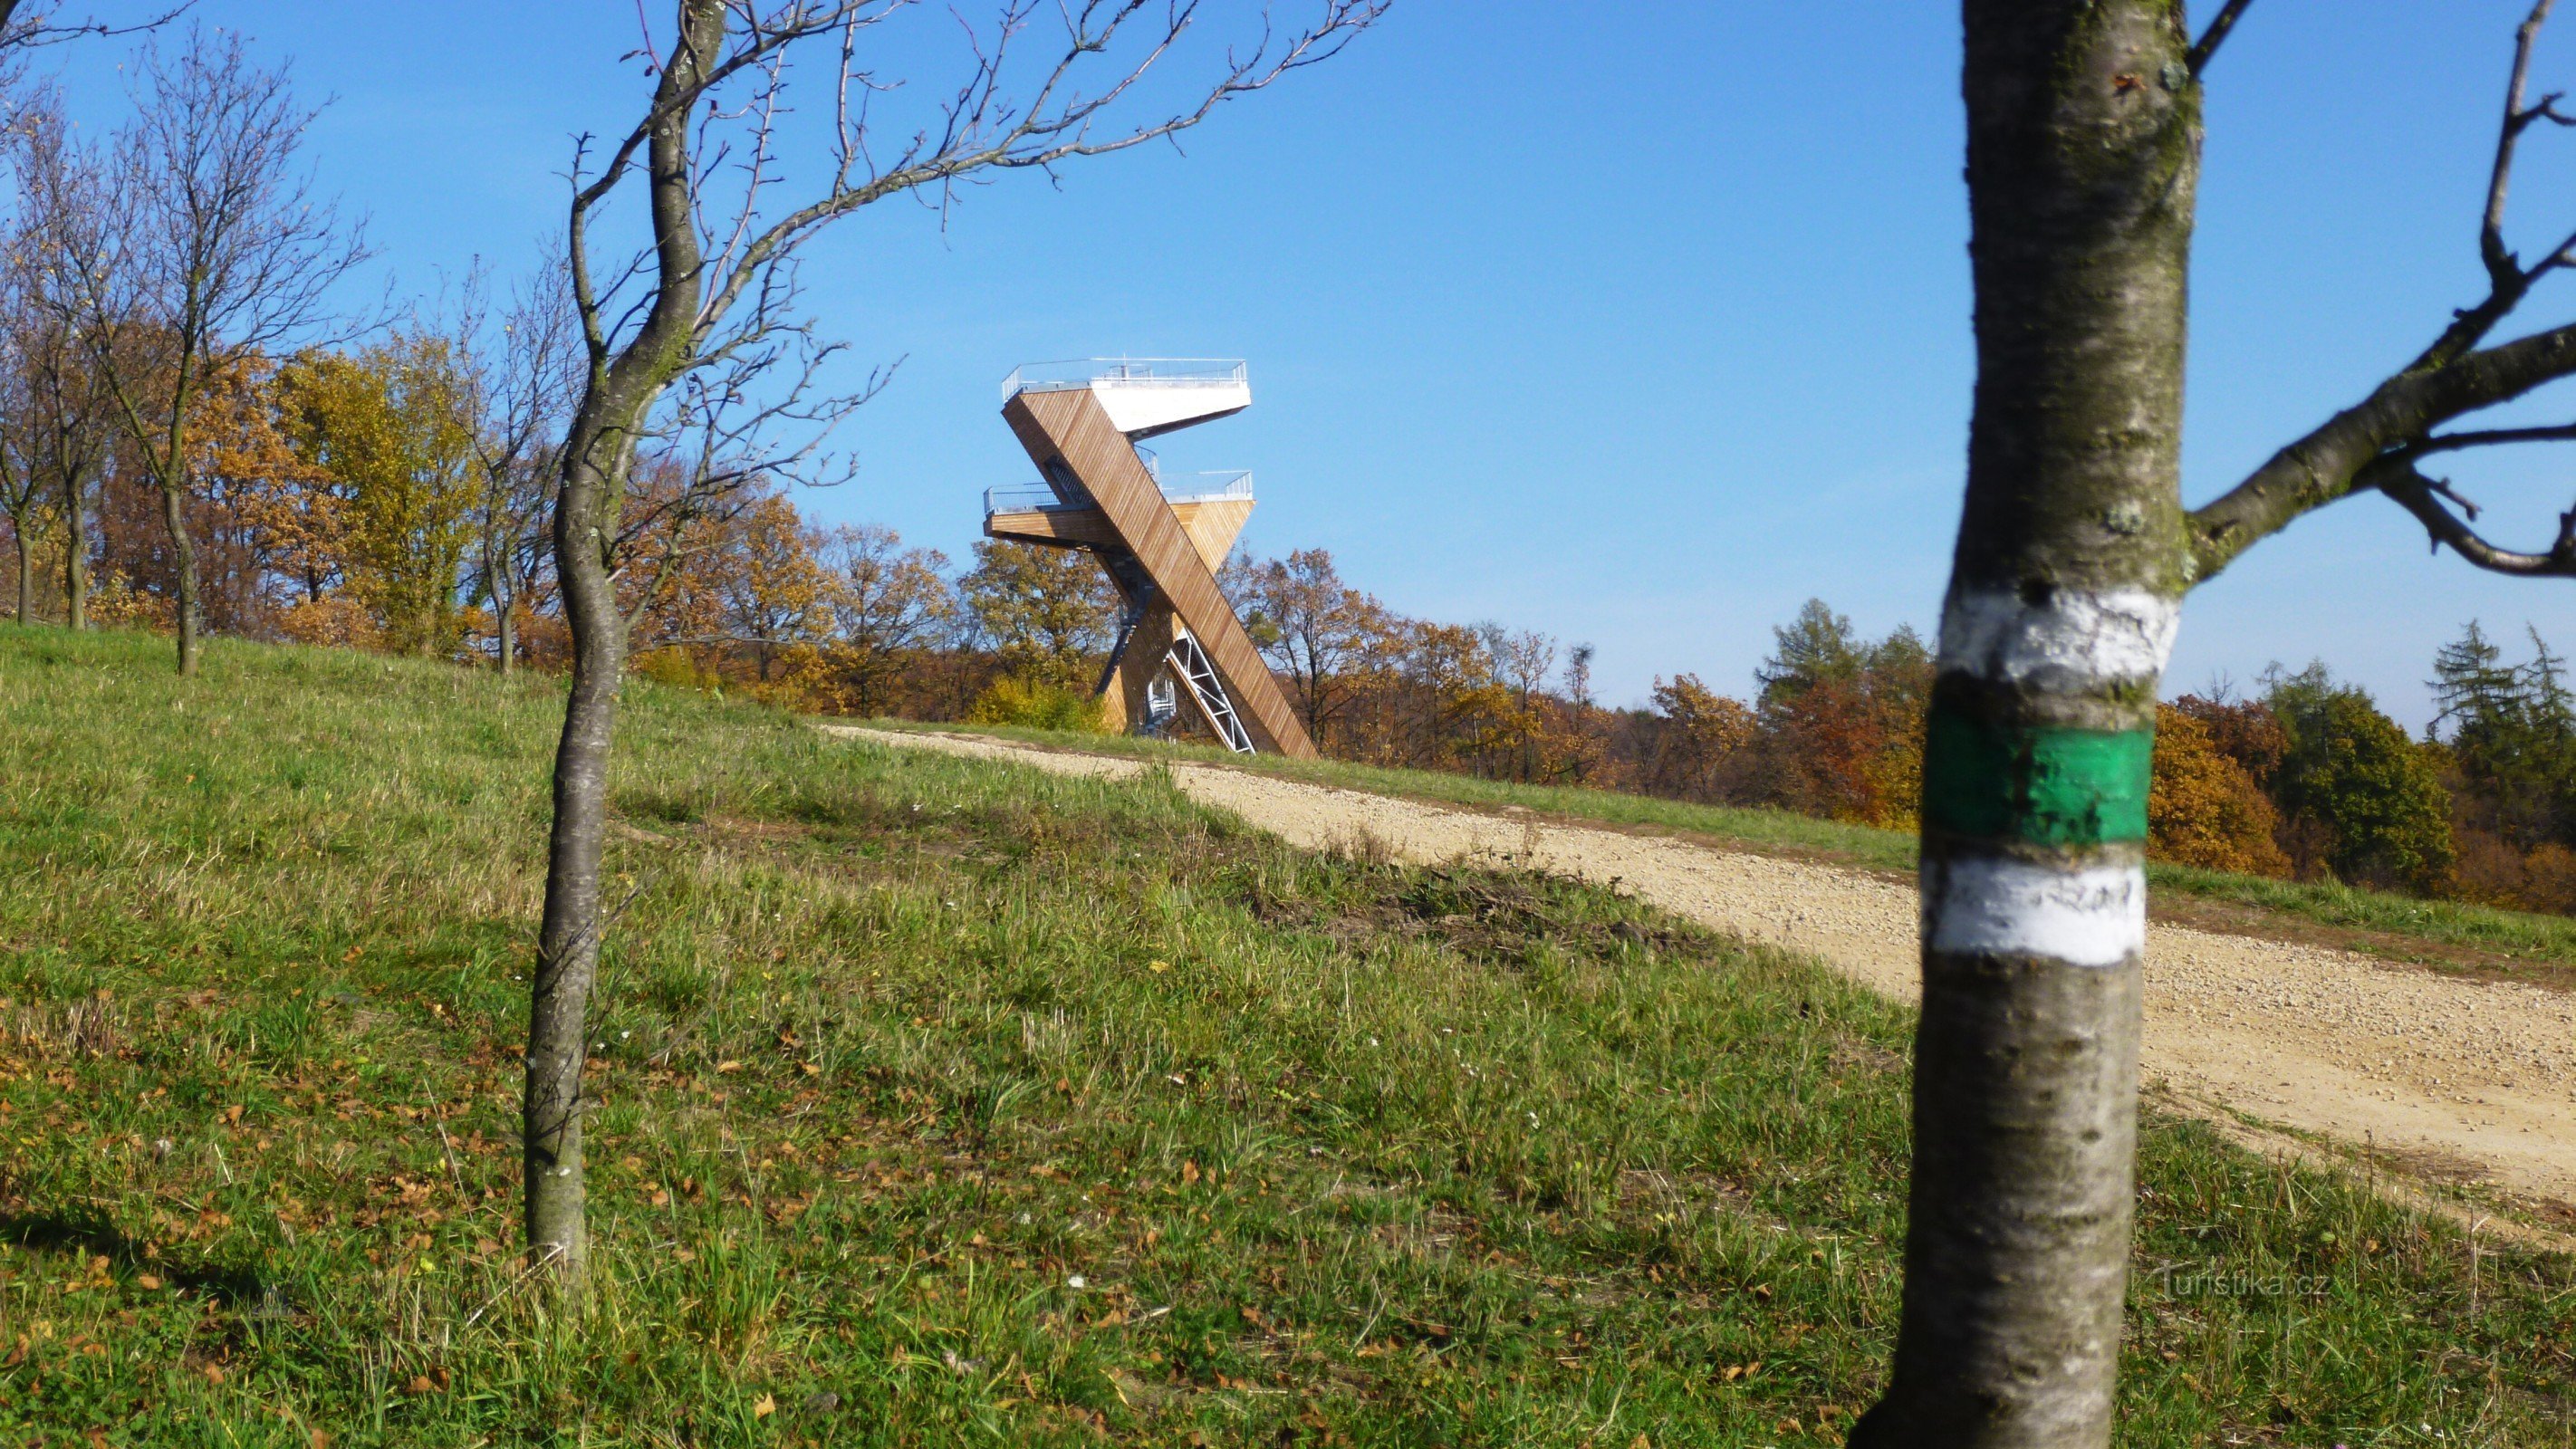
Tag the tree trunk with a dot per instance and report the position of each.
(598, 455)
(508, 625)
(183, 552)
(26, 576)
(75, 555)
(2083, 157)
(568, 942)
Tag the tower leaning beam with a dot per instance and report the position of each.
(1069, 432)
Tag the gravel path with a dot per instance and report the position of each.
(2456, 1078)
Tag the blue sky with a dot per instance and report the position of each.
(1634, 321)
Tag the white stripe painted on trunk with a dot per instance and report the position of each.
(2075, 643)
(2093, 916)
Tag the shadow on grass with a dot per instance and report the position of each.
(93, 1236)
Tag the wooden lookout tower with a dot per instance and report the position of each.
(1160, 540)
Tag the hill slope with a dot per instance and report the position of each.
(2469, 1077)
(945, 1101)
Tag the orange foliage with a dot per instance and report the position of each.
(2206, 809)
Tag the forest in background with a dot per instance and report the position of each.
(372, 496)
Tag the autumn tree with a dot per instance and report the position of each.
(1048, 613)
(770, 588)
(2074, 552)
(2204, 809)
(198, 246)
(694, 327)
(1700, 739)
(393, 424)
(1842, 718)
(1314, 629)
(887, 603)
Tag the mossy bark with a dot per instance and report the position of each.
(2083, 154)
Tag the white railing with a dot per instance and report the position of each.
(1207, 487)
(1073, 374)
(1216, 487)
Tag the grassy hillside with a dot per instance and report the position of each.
(2402, 927)
(949, 1103)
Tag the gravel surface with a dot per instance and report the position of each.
(2456, 1078)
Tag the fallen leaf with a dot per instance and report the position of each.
(419, 1384)
(147, 1281)
(722, 1067)
(233, 1113)
(763, 1407)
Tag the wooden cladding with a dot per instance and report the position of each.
(1071, 429)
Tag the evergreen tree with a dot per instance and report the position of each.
(2512, 737)
(2353, 781)
(1817, 647)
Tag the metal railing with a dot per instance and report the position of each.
(1217, 487)
(1073, 374)
(1023, 498)
(1207, 487)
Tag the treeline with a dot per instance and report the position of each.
(387, 496)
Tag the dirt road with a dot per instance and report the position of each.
(2455, 1078)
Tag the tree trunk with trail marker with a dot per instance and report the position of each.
(2083, 155)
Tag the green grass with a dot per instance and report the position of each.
(944, 1102)
(2388, 922)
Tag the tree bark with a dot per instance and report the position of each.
(75, 553)
(183, 553)
(508, 625)
(568, 942)
(26, 577)
(2083, 158)
(598, 456)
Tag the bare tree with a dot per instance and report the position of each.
(2074, 553)
(205, 247)
(697, 329)
(24, 499)
(1312, 627)
(529, 385)
(69, 413)
(886, 602)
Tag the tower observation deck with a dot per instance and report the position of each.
(1160, 539)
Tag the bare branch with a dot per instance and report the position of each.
(2501, 265)
(2450, 379)
(25, 27)
(2215, 36)
(2423, 497)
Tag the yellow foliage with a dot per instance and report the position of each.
(393, 427)
(2204, 809)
